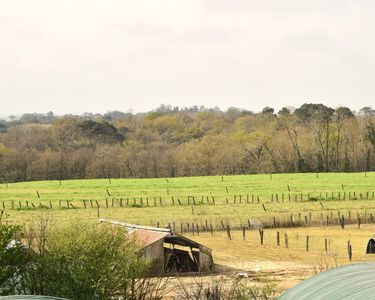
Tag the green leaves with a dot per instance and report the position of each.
(13, 258)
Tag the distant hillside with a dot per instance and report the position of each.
(175, 142)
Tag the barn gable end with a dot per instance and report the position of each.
(168, 251)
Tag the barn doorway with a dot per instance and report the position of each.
(370, 246)
(180, 259)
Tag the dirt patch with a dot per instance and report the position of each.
(284, 274)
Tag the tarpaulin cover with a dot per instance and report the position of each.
(352, 282)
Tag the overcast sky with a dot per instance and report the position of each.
(94, 56)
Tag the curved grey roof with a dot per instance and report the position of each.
(352, 282)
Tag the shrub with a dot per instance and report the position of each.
(13, 258)
(78, 261)
(226, 289)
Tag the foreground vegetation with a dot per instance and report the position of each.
(90, 261)
(78, 261)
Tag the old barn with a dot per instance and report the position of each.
(171, 252)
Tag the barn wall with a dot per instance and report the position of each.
(155, 254)
(205, 259)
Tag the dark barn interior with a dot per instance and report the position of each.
(370, 246)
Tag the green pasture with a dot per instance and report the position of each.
(217, 186)
(242, 193)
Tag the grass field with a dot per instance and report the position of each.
(258, 185)
(241, 192)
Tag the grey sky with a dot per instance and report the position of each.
(76, 56)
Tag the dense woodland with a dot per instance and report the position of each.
(169, 142)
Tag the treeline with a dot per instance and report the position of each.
(171, 142)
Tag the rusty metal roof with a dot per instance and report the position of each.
(146, 235)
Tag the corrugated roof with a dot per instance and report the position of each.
(348, 282)
(147, 237)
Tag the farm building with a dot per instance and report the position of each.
(371, 246)
(172, 252)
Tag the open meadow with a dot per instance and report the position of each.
(318, 214)
(292, 199)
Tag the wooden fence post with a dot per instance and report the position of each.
(358, 220)
(278, 238)
(286, 240)
(342, 222)
(307, 243)
(228, 232)
(244, 232)
(261, 232)
(222, 225)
